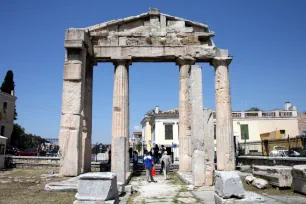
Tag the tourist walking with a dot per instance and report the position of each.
(156, 150)
(166, 161)
(148, 163)
(135, 160)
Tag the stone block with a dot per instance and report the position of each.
(243, 168)
(72, 71)
(119, 157)
(299, 178)
(276, 175)
(72, 97)
(260, 183)
(228, 184)
(97, 186)
(70, 148)
(250, 198)
(116, 201)
(249, 179)
(177, 24)
(122, 41)
(198, 168)
(70, 121)
(69, 185)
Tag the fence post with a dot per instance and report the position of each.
(288, 146)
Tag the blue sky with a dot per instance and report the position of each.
(265, 38)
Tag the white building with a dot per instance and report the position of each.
(161, 127)
(7, 111)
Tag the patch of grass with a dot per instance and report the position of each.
(31, 193)
(175, 180)
(195, 197)
(132, 197)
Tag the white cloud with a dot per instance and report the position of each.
(137, 128)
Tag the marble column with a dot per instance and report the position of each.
(87, 119)
(197, 126)
(70, 136)
(185, 150)
(120, 120)
(224, 121)
(209, 146)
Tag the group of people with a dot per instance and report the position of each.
(158, 156)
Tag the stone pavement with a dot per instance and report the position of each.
(163, 191)
(175, 191)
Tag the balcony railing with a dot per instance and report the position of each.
(262, 114)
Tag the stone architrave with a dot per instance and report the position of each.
(185, 148)
(120, 123)
(70, 137)
(224, 121)
(197, 126)
(209, 147)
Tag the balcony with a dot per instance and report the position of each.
(262, 114)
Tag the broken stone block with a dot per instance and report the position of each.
(69, 185)
(260, 183)
(97, 202)
(249, 179)
(228, 184)
(276, 175)
(299, 178)
(243, 168)
(97, 186)
(250, 198)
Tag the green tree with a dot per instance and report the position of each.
(254, 109)
(8, 84)
(24, 140)
(17, 133)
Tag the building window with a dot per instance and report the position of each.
(2, 133)
(5, 107)
(215, 131)
(169, 132)
(244, 129)
(1, 149)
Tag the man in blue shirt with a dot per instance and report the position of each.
(148, 162)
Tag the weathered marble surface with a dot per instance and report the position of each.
(276, 175)
(299, 178)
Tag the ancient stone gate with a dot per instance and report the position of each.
(148, 37)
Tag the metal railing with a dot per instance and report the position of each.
(291, 147)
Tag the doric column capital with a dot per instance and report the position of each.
(185, 60)
(125, 62)
(221, 61)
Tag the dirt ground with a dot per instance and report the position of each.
(26, 186)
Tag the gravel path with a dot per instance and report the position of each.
(162, 191)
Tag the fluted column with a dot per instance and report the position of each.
(120, 120)
(224, 121)
(185, 147)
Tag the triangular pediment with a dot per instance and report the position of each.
(151, 28)
(144, 19)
